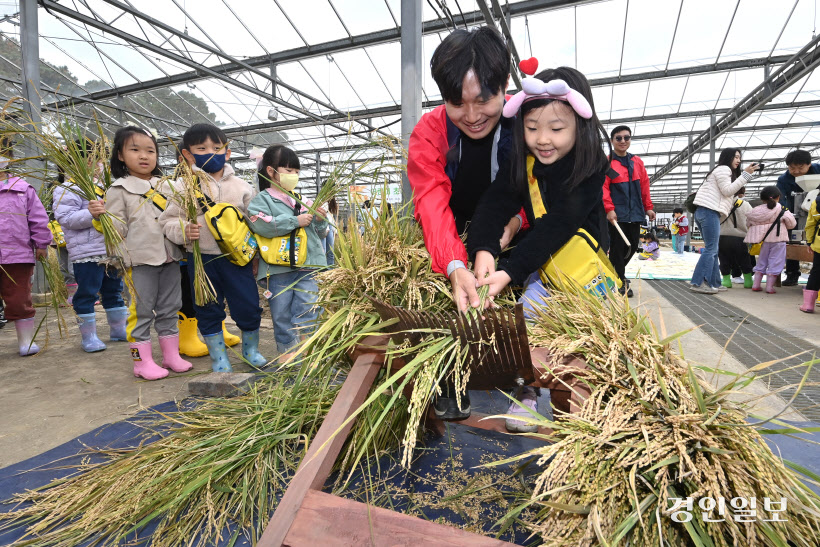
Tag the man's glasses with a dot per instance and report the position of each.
(625, 138)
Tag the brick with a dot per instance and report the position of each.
(221, 384)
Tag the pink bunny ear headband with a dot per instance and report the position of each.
(533, 88)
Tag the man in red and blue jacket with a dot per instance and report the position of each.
(455, 150)
(626, 201)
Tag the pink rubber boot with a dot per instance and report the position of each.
(757, 279)
(809, 299)
(170, 354)
(144, 365)
(770, 281)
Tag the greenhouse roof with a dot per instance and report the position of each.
(325, 75)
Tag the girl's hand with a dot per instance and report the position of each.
(304, 220)
(192, 232)
(510, 230)
(484, 264)
(321, 212)
(40, 254)
(751, 168)
(96, 208)
(497, 281)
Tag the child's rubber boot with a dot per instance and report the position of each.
(770, 281)
(88, 330)
(116, 324)
(230, 339)
(189, 342)
(756, 280)
(747, 281)
(170, 354)
(809, 299)
(144, 365)
(71, 289)
(727, 281)
(218, 352)
(250, 349)
(25, 336)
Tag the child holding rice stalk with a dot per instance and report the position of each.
(205, 150)
(24, 238)
(94, 274)
(135, 200)
(556, 173)
(276, 212)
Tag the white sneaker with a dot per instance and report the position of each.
(703, 288)
(737, 280)
(721, 288)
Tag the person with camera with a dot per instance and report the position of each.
(714, 201)
(799, 164)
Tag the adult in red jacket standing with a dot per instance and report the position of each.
(626, 200)
(456, 149)
(454, 155)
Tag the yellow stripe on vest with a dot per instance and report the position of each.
(580, 261)
(131, 322)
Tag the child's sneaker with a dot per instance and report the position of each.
(529, 400)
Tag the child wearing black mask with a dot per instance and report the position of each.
(205, 148)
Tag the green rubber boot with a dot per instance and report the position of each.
(748, 282)
(727, 281)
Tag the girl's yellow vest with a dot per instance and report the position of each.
(580, 262)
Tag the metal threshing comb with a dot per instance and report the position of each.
(499, 354)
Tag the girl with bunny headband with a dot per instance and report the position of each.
(556, 172)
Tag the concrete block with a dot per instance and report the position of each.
(221, 384)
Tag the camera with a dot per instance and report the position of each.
(760, 166)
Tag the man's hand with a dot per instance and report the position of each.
(464, 293)
(192, 232)
(96, 208)
(304, 220)
(484, 264)
(497, 281)
(651, 214)
(321, 212)
(611, 217)
(510, 230)
(40, 254)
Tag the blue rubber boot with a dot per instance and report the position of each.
(250, 349)
(218, 352)
(88, 330)
(116, 324)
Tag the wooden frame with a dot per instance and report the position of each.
(307, 516)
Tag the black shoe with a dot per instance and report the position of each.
(791, 279)
(446, 407)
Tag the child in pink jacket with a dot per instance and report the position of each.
(769, 224)
(24, 237)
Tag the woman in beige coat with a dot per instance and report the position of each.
(714, 200)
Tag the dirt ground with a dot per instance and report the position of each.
(50, 398)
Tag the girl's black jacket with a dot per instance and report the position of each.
(567, 211)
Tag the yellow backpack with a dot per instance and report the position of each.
(289, 250)
(100, 196)
(227, 224)
(57, 232)
(581, 261)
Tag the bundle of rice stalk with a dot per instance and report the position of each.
(185, 195)
(57, 290)
(653, 430)
(222, 464)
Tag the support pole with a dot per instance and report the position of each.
(689, 191)
(30, 46)
(318, 172)
(411, 75)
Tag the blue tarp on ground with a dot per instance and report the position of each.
(469, 448)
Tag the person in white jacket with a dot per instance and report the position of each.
(714, 200)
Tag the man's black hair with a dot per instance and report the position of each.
(677, 210)
(618, 130)
(201, 132)
(481, 49)
(798, 157)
